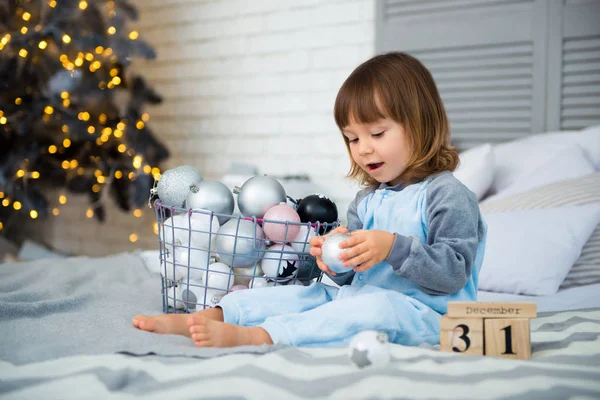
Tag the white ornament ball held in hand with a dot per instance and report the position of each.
(369, 348)
(331, 251)
(280, 231)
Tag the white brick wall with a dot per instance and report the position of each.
(242, 80)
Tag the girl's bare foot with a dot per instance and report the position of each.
(173, 323)
(207, 332)
(164, 324)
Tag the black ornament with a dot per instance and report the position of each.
(318, 208)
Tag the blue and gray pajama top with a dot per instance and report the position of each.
(440, 239)
(436, 257)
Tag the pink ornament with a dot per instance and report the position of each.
(276, 231)
(238, 287)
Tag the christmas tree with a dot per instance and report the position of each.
(71, 112)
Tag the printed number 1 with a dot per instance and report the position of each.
(464, 337)
(508, 340)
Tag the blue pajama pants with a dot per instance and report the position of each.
(322, 315)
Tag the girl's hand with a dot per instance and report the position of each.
(316, 242)
(366, 248)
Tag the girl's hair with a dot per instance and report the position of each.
(399, 87)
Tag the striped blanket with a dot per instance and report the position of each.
(565, 363)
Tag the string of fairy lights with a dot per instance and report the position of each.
(97, 125)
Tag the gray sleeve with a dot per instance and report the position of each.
(354, 223)
(443, 264)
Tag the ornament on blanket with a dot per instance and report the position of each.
(331, 251)
(318, 208)
(280, 263)
(212, 196)
(258, 194)
(174, 185)
(280, 231)
(369, 348)
(240, 243)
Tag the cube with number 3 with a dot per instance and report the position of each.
(461, 335)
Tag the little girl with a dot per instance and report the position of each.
(417, 236)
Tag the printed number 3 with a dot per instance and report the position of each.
(464, 337)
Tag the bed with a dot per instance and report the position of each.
(66, 331)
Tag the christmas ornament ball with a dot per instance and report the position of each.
(244, 275)
(181, 261)
(301, 242)
(280, 263)
(317, 208)
(331, 250)
(213, 196)
(258, 194)
(190, 230)
(219, 277)
(259, 282)
(369, 348)
(241, 238)
(174, 185)
(190, 294)
(274, 224)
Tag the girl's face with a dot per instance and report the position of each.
(380, 148)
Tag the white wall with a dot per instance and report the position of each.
(251, 81)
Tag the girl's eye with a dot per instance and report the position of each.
(378, 134)
(353, 140)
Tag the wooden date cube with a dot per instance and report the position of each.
(509, 338)
(461, 335)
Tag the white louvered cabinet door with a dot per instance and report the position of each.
(491, 60)
(574, 65)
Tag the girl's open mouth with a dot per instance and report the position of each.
(373, 167)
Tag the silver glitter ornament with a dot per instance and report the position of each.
(247, 245)
(331, 250)
(213, 196)
(174, 185)
(258, 194)
(369, 348)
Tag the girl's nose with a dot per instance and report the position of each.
(364, 147)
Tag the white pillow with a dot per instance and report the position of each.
(531, 251)
(515, 158)
(590, 140)
(476, 169)
(567, 163)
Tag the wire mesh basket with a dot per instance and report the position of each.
(206, 255)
